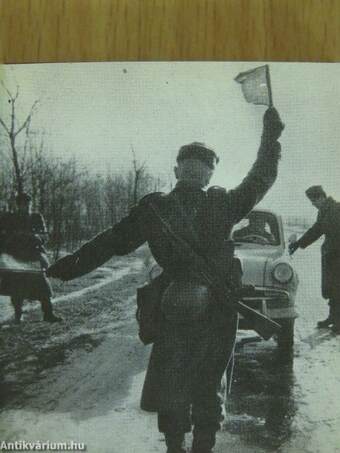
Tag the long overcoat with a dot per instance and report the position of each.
(183, 358)
(327, 224)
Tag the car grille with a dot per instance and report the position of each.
(274, 298)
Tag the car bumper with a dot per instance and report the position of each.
(272, 302)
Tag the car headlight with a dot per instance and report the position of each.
(283, 273)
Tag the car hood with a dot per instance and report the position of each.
(254, 259)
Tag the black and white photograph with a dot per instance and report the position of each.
(170, 257)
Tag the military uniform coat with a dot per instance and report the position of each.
(327, 224)
(20, 238)
(185, 359)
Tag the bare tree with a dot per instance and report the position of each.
(12, 130)
(138, 171)
(116, 196)
(75, 203)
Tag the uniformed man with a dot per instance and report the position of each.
(21, 234)
(327, 224)
(195, 344)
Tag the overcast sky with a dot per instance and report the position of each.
(97, 111)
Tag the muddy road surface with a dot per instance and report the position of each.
(81, 380)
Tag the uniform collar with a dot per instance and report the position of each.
(328, 203)
(184, 186)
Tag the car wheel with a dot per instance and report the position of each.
(285, 338)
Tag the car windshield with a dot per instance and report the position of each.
(258, 228)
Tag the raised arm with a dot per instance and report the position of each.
(262, 175)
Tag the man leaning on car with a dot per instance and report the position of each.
(327, 224)
(196, 342)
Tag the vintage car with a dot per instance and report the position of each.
(260, 246)
(266, 266)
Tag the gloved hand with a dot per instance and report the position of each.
(272, 124)
(65, 268)
(293, 246)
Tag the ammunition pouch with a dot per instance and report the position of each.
(186, 302)
(148, 312)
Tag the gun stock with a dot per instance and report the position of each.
(262, 325)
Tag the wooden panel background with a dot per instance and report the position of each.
(92, 30)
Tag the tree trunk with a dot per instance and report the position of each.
(17, 170)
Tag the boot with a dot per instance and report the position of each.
(50, 317)
(175, 443)
(47, 309)
(325, 323)
(204, 441)
(336, 329)
(17, 304)
(17, 316)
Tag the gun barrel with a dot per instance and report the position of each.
(20, 271)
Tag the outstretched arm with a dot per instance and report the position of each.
(121, 239)
(310, 236)
(262, 175)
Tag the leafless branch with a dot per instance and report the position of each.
(27, 120)
(138, 168)
(7, 90)
(4, 125)
(16, 93)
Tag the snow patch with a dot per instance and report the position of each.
(125, 429)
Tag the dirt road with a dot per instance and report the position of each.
(81, 380)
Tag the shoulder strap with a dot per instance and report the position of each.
(183, 215)
(183, 247)
(189, 251)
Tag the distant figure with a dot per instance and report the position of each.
(21, 237)
(257, 228)
(327, 224)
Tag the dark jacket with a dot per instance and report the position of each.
(328, 225)
(183, 359)
(22, 235)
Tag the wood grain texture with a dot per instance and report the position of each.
(93, 30)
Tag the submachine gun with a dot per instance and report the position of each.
(226, 291)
